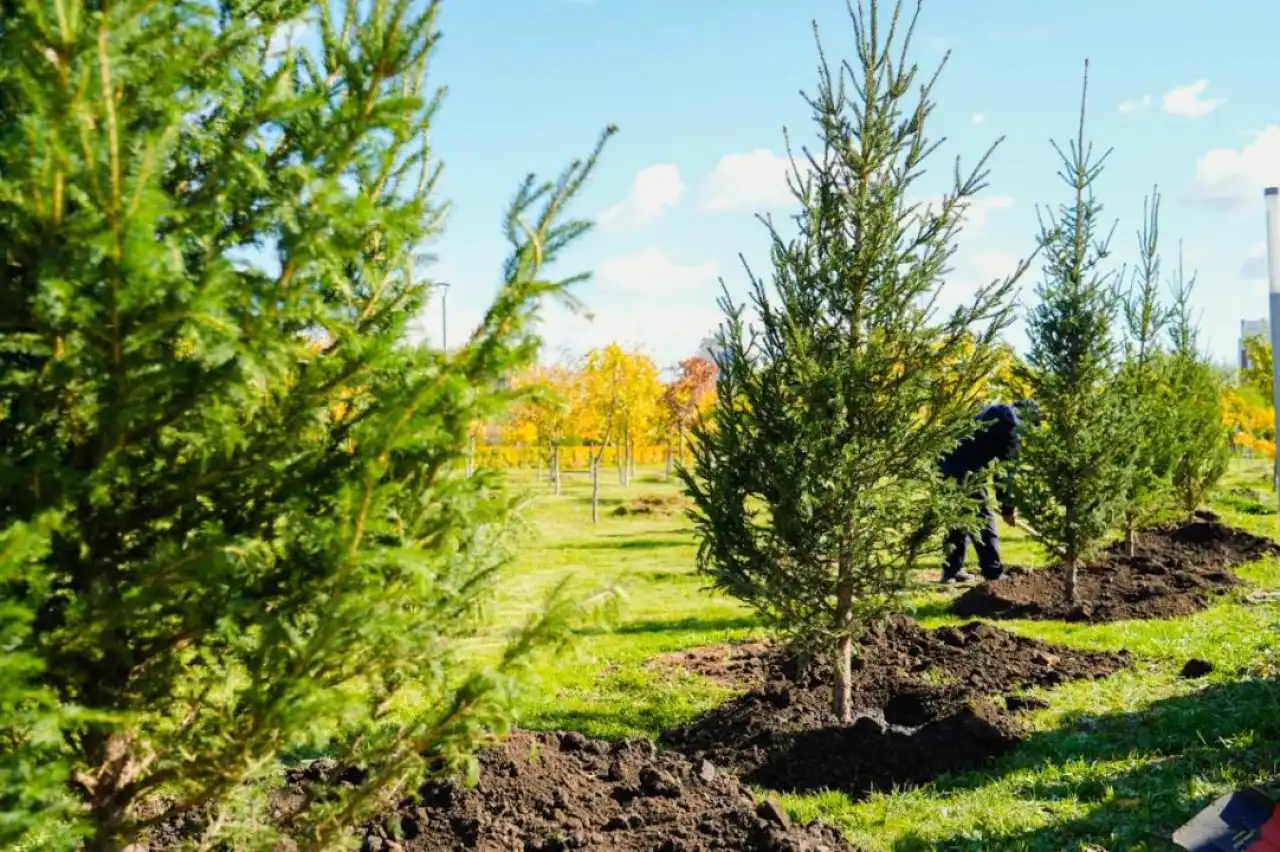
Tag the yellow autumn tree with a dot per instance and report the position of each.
(603, 377)
(639, 408)
(547, 417)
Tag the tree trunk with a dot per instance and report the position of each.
(595, 490)
(555, 468)
(680, 438)
(620, 456)
(841, 699)
(1070, 567)
(631, 461)
(670, 453)
(1130, 540)
(471, 456)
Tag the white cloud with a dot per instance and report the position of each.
(643, 299)
(754, 181)
(288, 34)
(655, 189)
(977, 211)
(1187, 101)
(1254, 266)
(651, 272)
(989, 266)
(978, 118)
(1136, 104)
(1234, 178)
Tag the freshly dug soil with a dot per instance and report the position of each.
(559, 792)
(552, 792)
(1178, 570)
(926, 699)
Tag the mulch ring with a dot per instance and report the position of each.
(551, 792)
(1178, 569)
(926, 698)
(652, 504)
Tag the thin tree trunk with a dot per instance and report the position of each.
(670, 453)
(555, 467)
(1130, 540)
(595, 490)
(631, 462)
(681, 440)
(619, 456)
(841, 688)
(471, 456)
(1070, 567)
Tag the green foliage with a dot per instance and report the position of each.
(237, 528)
(1141, 382)
(1200, 442)
(831, 414)
(1257, 375)
(1074, 460)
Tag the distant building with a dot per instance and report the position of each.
(1250, 329)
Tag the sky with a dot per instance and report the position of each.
(702, 92)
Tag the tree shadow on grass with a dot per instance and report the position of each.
(632, 542)
(1183, 752)
(678, 625)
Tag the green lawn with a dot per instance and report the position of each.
(1116, 764)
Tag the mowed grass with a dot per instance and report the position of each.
(1115, 765)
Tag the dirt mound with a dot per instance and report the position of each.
(925, 697)
(553, 792)
(1177, 570)
(652, 505)
(558, 792)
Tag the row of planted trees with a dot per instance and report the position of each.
(833, 407)
(223, 546)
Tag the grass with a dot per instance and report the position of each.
(1114, 764)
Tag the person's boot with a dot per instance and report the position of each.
(961, 576)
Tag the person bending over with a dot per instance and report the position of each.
(996, 440)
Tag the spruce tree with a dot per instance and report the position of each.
(819, 461)
(236, 525)
(1141, 383)
(1075, 461)
(1200, 441)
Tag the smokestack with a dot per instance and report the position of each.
(1271, 199)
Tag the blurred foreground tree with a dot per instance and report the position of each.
(224, 543)
(830, 417)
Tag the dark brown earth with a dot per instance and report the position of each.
(1178, 570)
(933, 703)
(557, 792)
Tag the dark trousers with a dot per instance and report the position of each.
(987, 543)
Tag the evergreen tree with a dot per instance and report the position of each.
(1201, 442)
(1141, 383)
(236, 526)
(819, 463)
(1075, 461)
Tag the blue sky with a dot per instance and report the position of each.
(702, 90)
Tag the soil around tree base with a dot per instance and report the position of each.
(932, 703)
(1178, 570)
(554, 792)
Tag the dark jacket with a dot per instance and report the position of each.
(996, 439)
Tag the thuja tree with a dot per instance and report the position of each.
(818, 463)
(1200, 441)
(1075, 461)
(236, 524)
(1142, 383)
